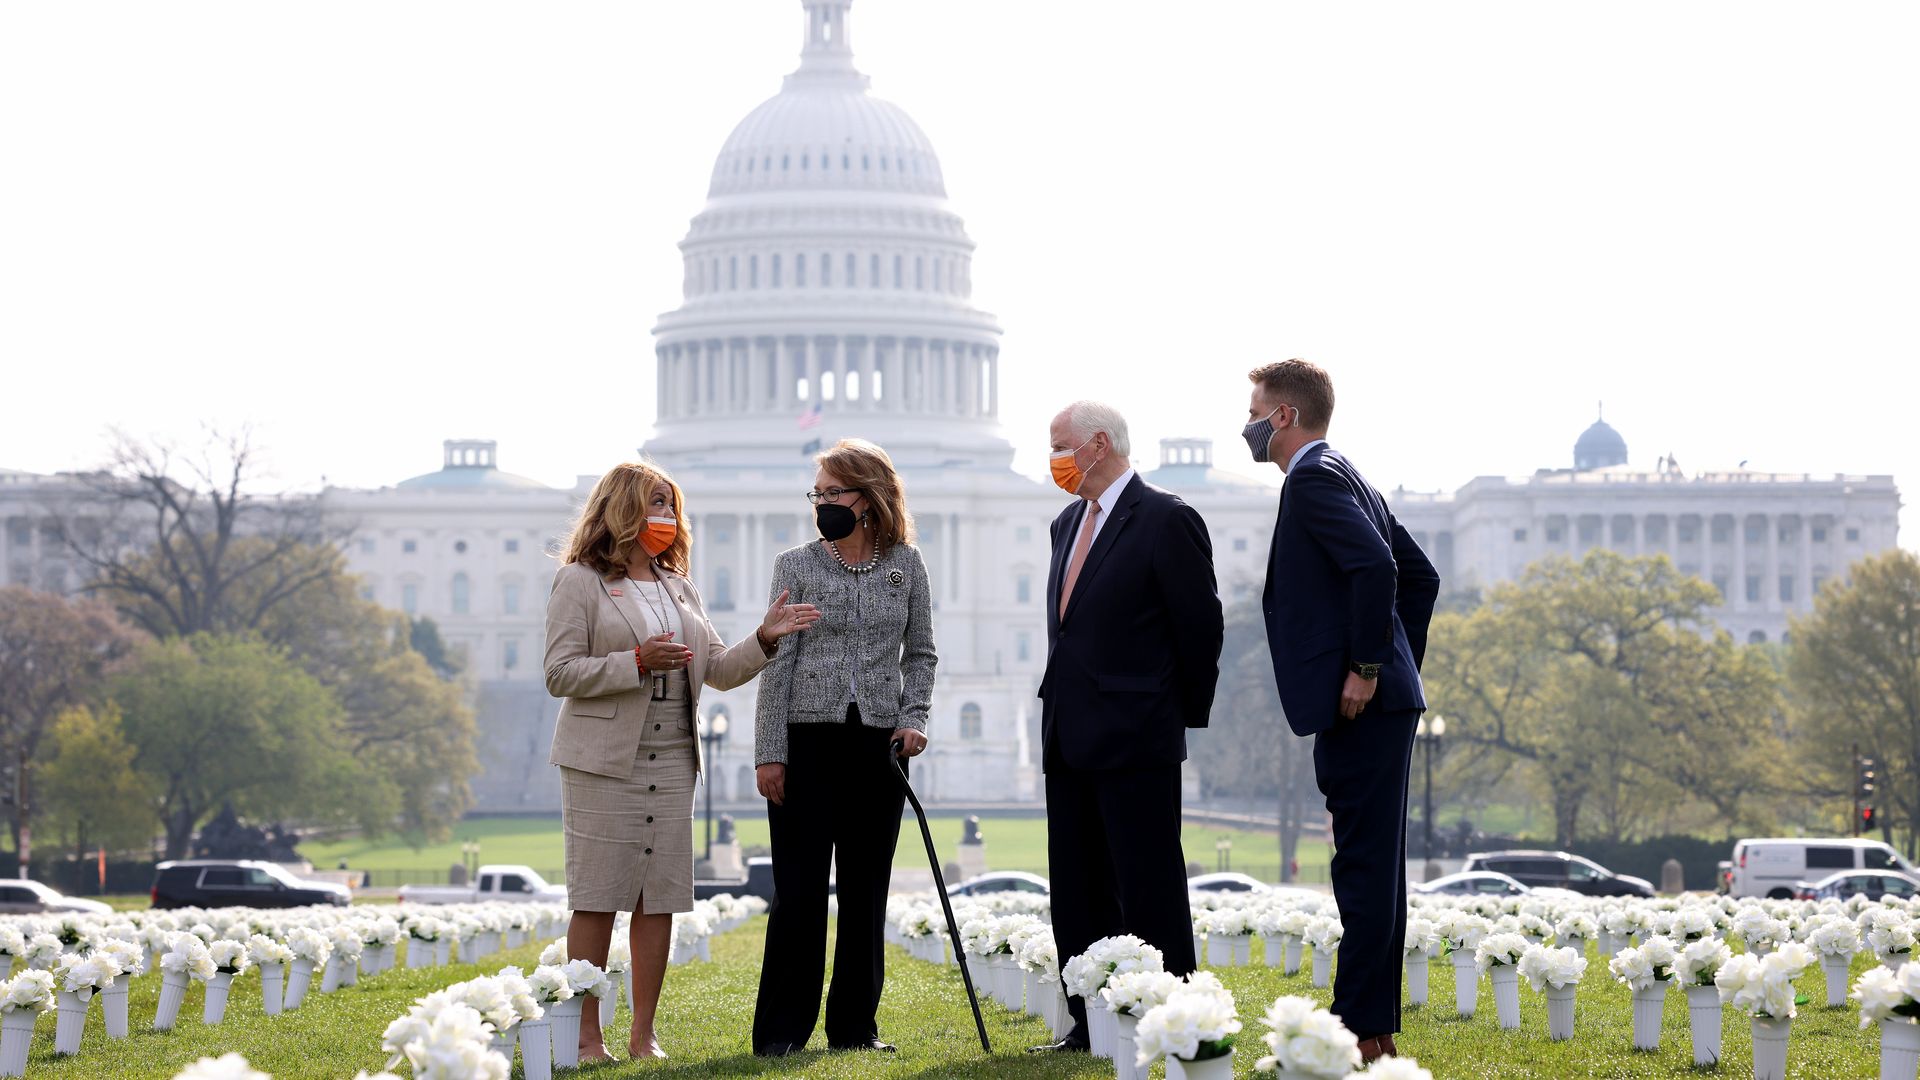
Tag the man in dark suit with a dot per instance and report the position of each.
(1133, 651)
(1348, 598)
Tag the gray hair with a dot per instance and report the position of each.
(1087, 418)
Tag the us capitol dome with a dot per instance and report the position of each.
(827, 273)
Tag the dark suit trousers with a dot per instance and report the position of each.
(1115, 865)
(1361, 766)
(842, 805)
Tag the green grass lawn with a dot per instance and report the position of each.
(705, 1023)
(1012, 844)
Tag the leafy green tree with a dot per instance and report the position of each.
(92, 794)
(55, 654)
(215, 720)
(1854, 665)
(1609, 679)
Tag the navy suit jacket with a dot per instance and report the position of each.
(1132, 663)
(1345, 584)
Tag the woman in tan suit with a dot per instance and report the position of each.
(629, 646)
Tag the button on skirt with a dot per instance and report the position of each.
(630, 842)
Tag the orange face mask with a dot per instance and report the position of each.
(1066, 471)
(659, 535)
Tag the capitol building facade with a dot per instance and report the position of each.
(826, 294)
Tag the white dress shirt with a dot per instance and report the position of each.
(1106, 500)
(1302, 452)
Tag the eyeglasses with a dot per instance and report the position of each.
(832, 495)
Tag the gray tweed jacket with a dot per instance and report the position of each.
(873, 644)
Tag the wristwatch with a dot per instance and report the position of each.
(1365, 671)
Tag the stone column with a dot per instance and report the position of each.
(1739, 586)
(1770, 588)
(993, 383)
(1803, 589)
(1673, 539)
(863, 359)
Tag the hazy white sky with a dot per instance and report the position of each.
(367, 225)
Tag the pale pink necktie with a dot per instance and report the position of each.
(1080, 547)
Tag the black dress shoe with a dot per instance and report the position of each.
(871, 1044)
(1067, 1045)
(781, 1049)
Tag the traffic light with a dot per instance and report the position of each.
(1866, 818)
(1864, 788)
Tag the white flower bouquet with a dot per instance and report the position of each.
(1544, 966)
(1459, 929)
(549, 984)
(187, 954)
(227, 1066)
(1420, 936)
(262, 949)
(450, 1042)
(230, 957)
(1324, 933)
(1195, 1023)
(1643, 967)
(1086, 974)
(1499, 950)
(1576, 929)
(1135, 993)
(555, 954)
(12, 942)
(44, 951)
(128, 954)
(1763, 986)
(1885, 994)
(1700, 962)
(1307, 1040)
(585, 977)
(1691, 924)
(86, 975)
(31, 989)
(1834, 937)
(310, 945)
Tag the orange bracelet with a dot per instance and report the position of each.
(636, 660)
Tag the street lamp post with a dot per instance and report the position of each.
(1429, 732)
(713, 736)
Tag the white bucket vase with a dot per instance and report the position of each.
(1101, 1030)
(1243, 950)
(1704, 1013)
(566, 1032)
(626, 981)
(1015, 980)
(113, 1006)
(1466, 983)
(1220, 1068)
(388, 956)
(1199, 948)
(1221, 952)
(1059, 1017)
(1124, 1049)
(1560, 1012)
(16, 1036)
(536, 1048)
(72, 1023)
(299, 977)
(1030, 992)
(1275, 951)
(442, 951)
(173, 991)
(218, 987)
(349, 970)
(1835, 969)
(683, 954)
(1506, 995)
(608, 1004)
(500, 942)
(1770, 1047)
(273, 988)
(6, 966)
(1899, 1049)
(1322, 968)
(1647, 1007)
(502, 1044)
(334, 977)
(1295, 946)
(705, 949)
(419, 953)
(1416, 977)
(1609, 944)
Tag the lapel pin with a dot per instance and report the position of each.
(896, 578)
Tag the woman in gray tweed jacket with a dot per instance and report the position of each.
(832, 704)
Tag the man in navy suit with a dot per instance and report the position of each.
(1348, 598)
(1133, 651)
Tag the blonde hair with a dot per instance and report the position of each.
(860, 464)
(607, 531)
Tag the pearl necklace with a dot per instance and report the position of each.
(844, 565)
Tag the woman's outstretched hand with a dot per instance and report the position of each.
(784, 618)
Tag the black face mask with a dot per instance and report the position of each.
(834, 521)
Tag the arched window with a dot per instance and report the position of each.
(510, 598)
(1023, 589)
(460, 591)
(1758, 637)
(723, 589)
(970, 721)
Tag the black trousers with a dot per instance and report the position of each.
(1115, 864)
(1361, 766)
(842, 805)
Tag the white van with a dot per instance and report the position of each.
(1769, 866)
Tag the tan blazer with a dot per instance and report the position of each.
(590, 642)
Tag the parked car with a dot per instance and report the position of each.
(238, 883)
(996, 881)
(1559, 870)
(24, 897)
(1473, 883)
(1226, 882)
(494, 882)
(1772, 866)
(1872, 884)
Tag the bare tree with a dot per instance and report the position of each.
(181, 545)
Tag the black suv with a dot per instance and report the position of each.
(237, 883)
(1559, 870)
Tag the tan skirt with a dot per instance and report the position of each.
(631, 841)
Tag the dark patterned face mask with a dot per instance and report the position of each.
(1259, 435)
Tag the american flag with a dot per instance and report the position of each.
(811, 417)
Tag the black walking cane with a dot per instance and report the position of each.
(940, 886)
